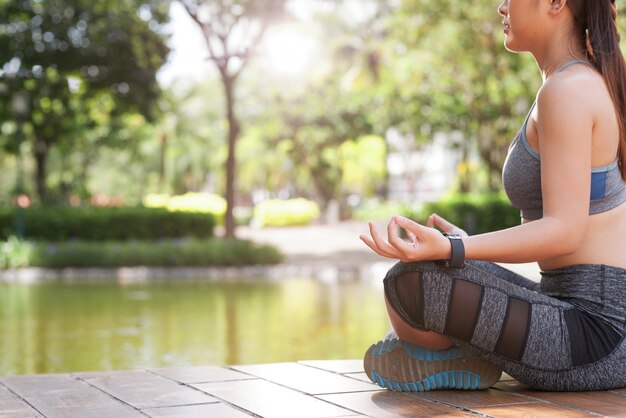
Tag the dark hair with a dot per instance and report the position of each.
(597, 19)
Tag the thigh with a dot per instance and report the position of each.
(503, 273)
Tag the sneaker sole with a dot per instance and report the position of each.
(402, 367)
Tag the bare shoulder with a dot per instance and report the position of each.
(577, 92)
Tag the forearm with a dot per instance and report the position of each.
(534, 241)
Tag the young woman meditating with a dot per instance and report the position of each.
(461, 321)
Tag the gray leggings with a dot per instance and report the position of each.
(565, 333)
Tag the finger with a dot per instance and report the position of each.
(410, 226)
(373, 246)
(449, 227)
(430, 223)
(381, 244)
(394, 239)
(443, 224)
(411, 236)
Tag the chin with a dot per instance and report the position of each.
(509, 45)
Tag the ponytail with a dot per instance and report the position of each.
(603, 51)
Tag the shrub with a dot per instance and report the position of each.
(288, 212)
(166, 253)
(15, 253)
(189, 202)
(476, 214)
(101, 224)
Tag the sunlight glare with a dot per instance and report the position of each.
(287, 50)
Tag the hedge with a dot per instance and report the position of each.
(289, 212)
(102, 224)
(476, 214)
(15, 253)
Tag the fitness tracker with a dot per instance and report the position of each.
(457, 259)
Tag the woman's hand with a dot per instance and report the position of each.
(425, 243)
(435, 220)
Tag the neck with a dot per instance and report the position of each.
(549, 66)
(561, 49)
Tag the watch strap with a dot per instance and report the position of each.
(457, 259)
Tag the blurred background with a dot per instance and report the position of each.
(151, 132)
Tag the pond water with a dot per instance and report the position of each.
(65, 327)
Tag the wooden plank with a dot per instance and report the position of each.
(271, 400)
(358, 376)
(62, 396)
(306, 379)
(536, 409)
(201, 374)
(391, 404)
(337, 366)
(93, 412)
(142, 389)
(12, 406)
(196, 411)
(604, 403)
(474, 398)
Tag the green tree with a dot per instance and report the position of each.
(452, 73)
(312, 129)
(77, 57)
(189, 151)
(232, 30)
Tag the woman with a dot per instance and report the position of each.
(459, 326)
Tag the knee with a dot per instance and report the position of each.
(404, 298)
(401, 268)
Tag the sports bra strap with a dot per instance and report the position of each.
(567, 64)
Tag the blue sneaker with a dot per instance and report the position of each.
(402, 367)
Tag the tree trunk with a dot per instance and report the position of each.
(41, 155)
(161, 184)
(233, 134)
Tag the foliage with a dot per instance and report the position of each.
(325, 131)
(102, 224)
(288, 212)
(15, 253)
(452, 73)
(324, 154)
(189, 202)
(375, 209)
(83, 65)
(189, 154)
(232, 31)
(417, 67)
(363, 165)
(165, 253)
(476, 214)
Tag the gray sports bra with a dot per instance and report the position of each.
(521, 177)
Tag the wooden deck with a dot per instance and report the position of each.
(304, 389)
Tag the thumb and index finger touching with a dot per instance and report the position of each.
(435, 220)
(414, 228)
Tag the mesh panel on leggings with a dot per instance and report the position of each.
(465, 302)
(514, 332)
(406, 296)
